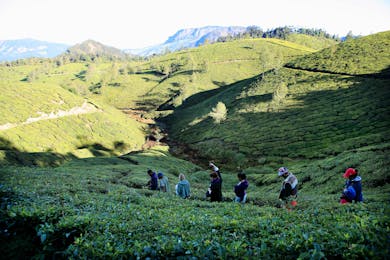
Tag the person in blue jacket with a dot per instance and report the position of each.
(183, 187)
(353, 187)
(240, 188)
(153, 182)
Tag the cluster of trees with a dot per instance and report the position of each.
(279, 32)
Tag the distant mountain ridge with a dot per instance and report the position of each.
(188, 38)
(11, 50)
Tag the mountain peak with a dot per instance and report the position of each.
(94, 48)
(189, 38)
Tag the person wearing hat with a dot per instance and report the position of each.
(163, 181)
(288, 193)
(153, 182)
(353, 187)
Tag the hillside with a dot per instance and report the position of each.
(46, 118)
(365, 55)
(184, 73)
(98, 208)
(73, 172)
(316, 43)
(295, 117)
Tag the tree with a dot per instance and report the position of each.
(219, 113)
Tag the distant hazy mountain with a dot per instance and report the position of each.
(26, 48)
(187, 38)
(94, 49)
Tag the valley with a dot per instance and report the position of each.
(78, 133)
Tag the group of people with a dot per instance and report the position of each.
(288, 193)
(214, 192)
(160, 182)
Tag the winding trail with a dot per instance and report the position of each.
(85, 108)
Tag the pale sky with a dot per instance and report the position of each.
(128, 24)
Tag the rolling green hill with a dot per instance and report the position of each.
(295, 117)
(41, 116)
(365, 55)
(250, 105)
(316, 43)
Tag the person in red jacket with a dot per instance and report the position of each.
(353, 187)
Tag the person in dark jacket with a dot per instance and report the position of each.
(153, 182)
(353, 187)
(215, 189)
(240, 188)
(214, 168)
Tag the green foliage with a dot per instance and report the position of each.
(317, 124)
(219, 113)
(97, 208)
(361, 56)
(43, 117)
(289, 114)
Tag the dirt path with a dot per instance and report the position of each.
(85, 108)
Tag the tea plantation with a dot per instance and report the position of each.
(73, 167)
(97, 208)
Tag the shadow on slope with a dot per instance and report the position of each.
(302, 125)
(9, 155)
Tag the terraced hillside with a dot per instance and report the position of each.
(364, 56)
(235, 103)
(42, 117)
(61, 107)
(99, 208)
(297, 117)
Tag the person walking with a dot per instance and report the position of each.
(353, 187)
(240, 188)
(183, 187)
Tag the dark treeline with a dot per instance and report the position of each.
(279, 33)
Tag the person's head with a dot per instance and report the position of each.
(283, 171)
(150, 172)
(241, 176)
(213, 175)
(350, 173)
(160, 175)
(182, 177)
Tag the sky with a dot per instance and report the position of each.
(129, 24)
